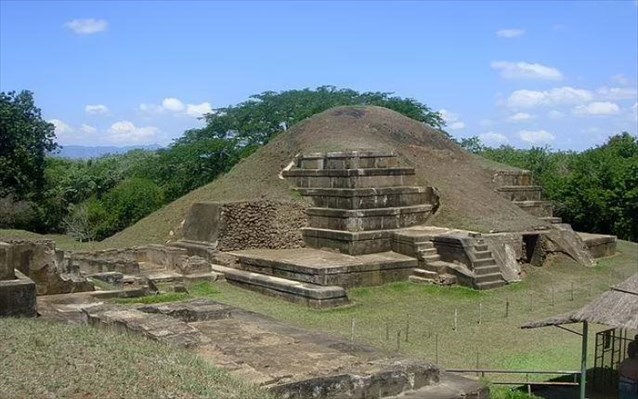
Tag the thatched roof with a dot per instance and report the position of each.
(616, 308)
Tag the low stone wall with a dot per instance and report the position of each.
(125, 260)
(599, 245)
(234, 226)
(18, 297)
(37, 259)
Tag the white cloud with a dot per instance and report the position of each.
(88, 129)
(97, 109)
(536, 136)
(597, 109)
(126, 132)
(634, 108)
(553, 114)
(451, 119)
(510, 33)
(493, 139)
(617, 93)
(520, 117)
(525, 70)
(198, 110)
(557, 96)
(60, 126)
(87, 26)
(173, 104)
(151, 108)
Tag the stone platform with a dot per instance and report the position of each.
(599, 245)
(328, 268)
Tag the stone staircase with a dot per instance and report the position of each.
(359, 198)
(517, 186)
(469, 263)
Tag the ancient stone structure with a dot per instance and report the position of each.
(17, 291)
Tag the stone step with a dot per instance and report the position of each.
(513, 178)
(480, 247)
(351, 243)
(430, 258)
(368, 198)
(483, 262)
(422, 273)
(488, 278)
(196, 248)
(348, 160)
(312, 295)
(487, 270)
(536, 208)
(483, 254)
(421, 280)
(328, 268)
(521, 193)
(490, 285)
(552, 219)
(351, 178)
(368, 219)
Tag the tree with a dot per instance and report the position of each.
(25, 139)
(255, 121)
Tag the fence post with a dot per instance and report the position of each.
(352, 322)
(456, 319)
(507, 307)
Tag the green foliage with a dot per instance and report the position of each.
(262, 116)
(25, 139)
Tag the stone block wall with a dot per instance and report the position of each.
(234, 226)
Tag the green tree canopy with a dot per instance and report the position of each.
(255, 121)
(25, 139)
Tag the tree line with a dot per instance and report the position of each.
(595, 190)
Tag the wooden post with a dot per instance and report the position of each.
(572, 291)
(507, 307)
(407, 327)
(352, 329)
(531, 301)
(456, 319)
(583, 362)
(480, 317)
(436, 348)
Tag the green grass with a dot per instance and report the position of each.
(62, 241)
(429, 311)
(160, 298)
(499, 392)
(45, 360)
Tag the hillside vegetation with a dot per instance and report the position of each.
(465, 184)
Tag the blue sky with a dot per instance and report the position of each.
(553, 73)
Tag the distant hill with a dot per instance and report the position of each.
(86, 152)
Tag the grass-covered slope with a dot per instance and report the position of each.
(39, 359)
(468, 199)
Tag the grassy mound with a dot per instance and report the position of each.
(49, 360)
(468, 200)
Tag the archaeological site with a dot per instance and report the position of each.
(352, 197)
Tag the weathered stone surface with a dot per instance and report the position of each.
(231, 226)
(348, 160)
(536, 208)
(561, 239)
(189, 311)
(513, 178)
(329, 268)
(368, 219)
(521, 193)
(37, 259)
(368, 198)
(507, 250)
(351, 178)
(194, 265)
(351, 243)
(18, 297)
(114, 278)
(6, 262)
(157, 327)
(599, 245)
(312, 295)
